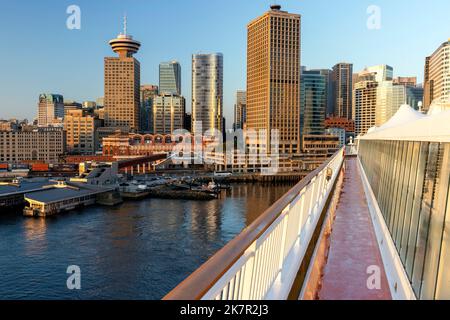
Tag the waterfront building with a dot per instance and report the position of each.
(437, 76)
(81, 127)
(207, 91)
(131, 144)
(342, 82)
(168, 114)
(313, 102)
(32, 144)
(122, 84)
(50, 109)
(240, 110)
(317, 148)
(273, 77)
(170, 78)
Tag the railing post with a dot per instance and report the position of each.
(285, 221)
(249, 273)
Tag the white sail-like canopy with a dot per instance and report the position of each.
(411, 125)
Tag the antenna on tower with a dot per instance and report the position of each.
(125, 24)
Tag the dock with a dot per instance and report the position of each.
(62, 197)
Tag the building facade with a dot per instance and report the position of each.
(148, 94)
(365, 103)
(240, 110)
(437, 76)
(122, 84)
(170, 78)
(313, 102)
(207, 92)
(273, 77)
(45, 144)
(342, 81)
(50, 109)
(168, 114)
(81, 127)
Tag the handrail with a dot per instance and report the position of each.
(197, 285)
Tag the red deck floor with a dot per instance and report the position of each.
(353, 246)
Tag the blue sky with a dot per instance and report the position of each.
(39, 54)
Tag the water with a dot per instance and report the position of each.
(138, 250)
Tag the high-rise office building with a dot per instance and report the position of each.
(122, 84)
(273, 77)
(378, 96)
(50, 109)
(365, 102)
(207, 91)
(168, 113)
(342, 79)
(313, 102)
(437, 76)
(329, 90)
(240, 111)
(170, 78)
(148, 93)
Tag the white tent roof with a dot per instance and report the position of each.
(408, 124)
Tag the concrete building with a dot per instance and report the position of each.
(240, 110)
(378, 96)
(122, 84)
(168, 114)
(207, 91)
(32, 143)
(313, 102)
(81, 127)
(170, 78)
(437, 76)
(50, 109)
(342, 82)
(365, 104)
(273, 77)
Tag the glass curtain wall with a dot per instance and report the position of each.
(410, 180)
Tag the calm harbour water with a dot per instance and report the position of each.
(138, 250)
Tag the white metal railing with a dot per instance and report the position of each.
(268, 265)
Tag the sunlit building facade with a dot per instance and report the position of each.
(122, 84)
(50, 109)
(342, 82)
(170, 78)
(207, 92)
(437, 76)
(273, 77)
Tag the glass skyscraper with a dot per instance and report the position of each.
(313, 102)
(170, 78)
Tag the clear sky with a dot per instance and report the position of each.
(39, 54)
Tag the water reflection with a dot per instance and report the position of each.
(139, 250)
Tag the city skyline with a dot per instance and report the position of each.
(83, 59)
